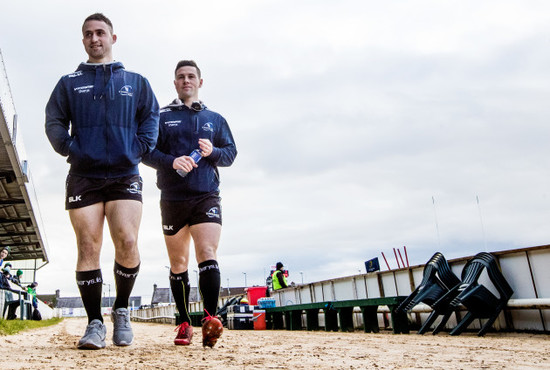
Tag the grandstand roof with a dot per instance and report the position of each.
(20, 222)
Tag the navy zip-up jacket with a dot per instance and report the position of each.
(180, 129)
(112, 115)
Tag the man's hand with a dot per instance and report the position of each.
(185, 163)
(206, 147)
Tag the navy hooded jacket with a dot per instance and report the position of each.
(180, 129)
(112, 115)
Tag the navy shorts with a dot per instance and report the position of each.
(85, 191)
(178, 214)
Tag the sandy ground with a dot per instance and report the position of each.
(55, 348)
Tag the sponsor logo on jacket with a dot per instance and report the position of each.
(172, 123)
(208, 126)
(83, 89)
(126, 90)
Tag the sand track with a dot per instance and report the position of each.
(55, 348)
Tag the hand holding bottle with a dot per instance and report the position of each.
(186, 164)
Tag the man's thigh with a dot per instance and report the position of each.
(177, 246)
(88, 223)
(123, 217)
(206, 237)
(88, 227)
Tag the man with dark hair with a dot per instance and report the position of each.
(98, 17)
(190, 202)
(112, 115)
(188, 63)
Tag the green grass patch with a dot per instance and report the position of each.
(10, 327)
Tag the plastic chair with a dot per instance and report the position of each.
(10, 306)
(478, 300)
(438, 280)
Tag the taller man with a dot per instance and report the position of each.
(104, 119)
(190, 205)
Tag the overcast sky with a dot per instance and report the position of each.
(350, 118)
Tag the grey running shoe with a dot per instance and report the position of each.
(122, 331)
(94, 337)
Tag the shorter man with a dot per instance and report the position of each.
(189, 201)
(279, 278)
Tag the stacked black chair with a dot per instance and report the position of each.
(478, 300)
(438, 280)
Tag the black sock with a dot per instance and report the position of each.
(180, 286)
(124, 280)
(209, 285)
(90, 284)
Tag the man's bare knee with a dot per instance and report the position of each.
(205, 253)
(127, 243)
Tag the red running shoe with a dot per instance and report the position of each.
(212, 329)
(185, 333)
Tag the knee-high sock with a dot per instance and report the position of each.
(124, 280)
(209, 285)
(180, 286)
(90, 284)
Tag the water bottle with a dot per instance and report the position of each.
(196, 155)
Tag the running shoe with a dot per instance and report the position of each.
(212, 329)
(94, 337)
(122, 331)
(185, 334)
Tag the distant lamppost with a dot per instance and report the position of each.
(245, 285)
(109, 285)
(228, 291)
(197, 276)
(169, 289)
(302, 273)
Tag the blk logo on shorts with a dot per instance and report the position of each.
(213, 212)
(76, 198)
(168, 227)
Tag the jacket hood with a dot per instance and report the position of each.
(176, 103)
(92, 66)
(100, 69)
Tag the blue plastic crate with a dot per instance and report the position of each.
(266, 302)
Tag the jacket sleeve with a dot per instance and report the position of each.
(224, 151)
(148, 118)
(156, 158)
(58, 120)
